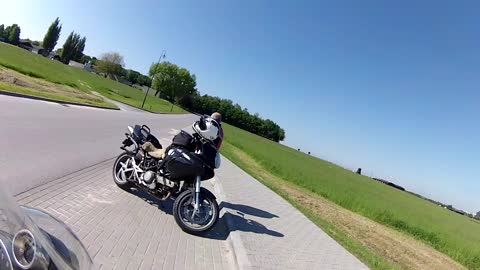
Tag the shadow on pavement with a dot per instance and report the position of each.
(239, 223)
(249, 210)
(166, 206)
(220, 231)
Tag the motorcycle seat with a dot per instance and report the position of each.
(153, 151)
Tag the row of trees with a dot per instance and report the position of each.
(10, 34)
(178, 85)
(112, 63)
(234, 114)
(72, 48)
(136, 77)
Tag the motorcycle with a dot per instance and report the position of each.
(176, 172)
(32, 239)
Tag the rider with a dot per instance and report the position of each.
(218, 141)
(210, 128)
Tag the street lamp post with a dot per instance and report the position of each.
(153, 75)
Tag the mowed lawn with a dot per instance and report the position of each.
(37, 66)
(455, 235)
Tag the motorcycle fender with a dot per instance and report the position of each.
(207, 192)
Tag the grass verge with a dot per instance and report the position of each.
(378, 246)
(402, 213)
(15, 82)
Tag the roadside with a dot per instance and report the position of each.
(376, 245)
(268, 233)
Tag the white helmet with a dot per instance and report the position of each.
(207, 128)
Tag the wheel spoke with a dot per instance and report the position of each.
(121, 175)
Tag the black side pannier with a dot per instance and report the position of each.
(184, 139)
(209, 153)
(183, 165)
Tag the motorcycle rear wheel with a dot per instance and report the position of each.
(203, 220)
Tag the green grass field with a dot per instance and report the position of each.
(40, 67)
(455, 235)
(32, 92)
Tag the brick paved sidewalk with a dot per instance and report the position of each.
(122, 230)
(269, 233)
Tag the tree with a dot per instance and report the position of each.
(12, 34)
(172, 81)
(478, 215)
(111, 64)
(144, 80)
(2, 30)
(133, 76)
(85, 59)
(73, 48)
(51, 37)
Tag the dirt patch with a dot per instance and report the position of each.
(13, 77)
(6, 77)
(393, 245)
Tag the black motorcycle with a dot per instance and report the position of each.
(176, 171)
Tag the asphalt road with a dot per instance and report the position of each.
(41, 141)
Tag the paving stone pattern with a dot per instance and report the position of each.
(123, 230)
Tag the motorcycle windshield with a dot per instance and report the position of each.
(33, 239)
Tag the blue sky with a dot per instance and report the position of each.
(392, 87)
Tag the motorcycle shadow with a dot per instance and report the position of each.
(166, 205)
(233, 218)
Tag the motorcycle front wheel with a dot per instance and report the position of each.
(202, 220)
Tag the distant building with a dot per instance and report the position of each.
(37, 49)
(88, 66)
(389, 184)
(76, 64)
(27, 45)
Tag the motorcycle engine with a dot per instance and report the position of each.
(148, 177)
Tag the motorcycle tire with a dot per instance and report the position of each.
(123, 184)
(183, 201)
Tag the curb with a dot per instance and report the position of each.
(239, 252)
(12, 94)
